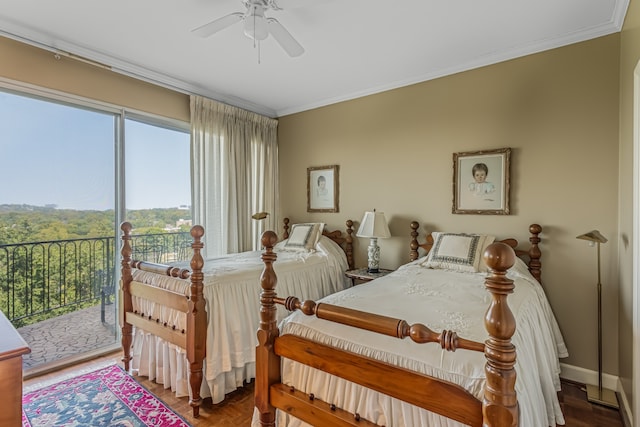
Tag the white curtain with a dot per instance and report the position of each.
(234, 155)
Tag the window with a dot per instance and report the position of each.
(158, 190)
(157, 166)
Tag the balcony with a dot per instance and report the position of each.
(61, 295)
(64, 338)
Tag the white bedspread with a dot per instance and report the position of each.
(441, 300)
(232, 291)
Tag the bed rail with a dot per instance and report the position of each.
(498, 408)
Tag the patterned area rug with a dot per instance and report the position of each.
(106, 397)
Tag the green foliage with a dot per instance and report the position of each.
(54, 261)
(26, 223)
(158, 218)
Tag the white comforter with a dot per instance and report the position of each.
(231, 290)
(441, 300)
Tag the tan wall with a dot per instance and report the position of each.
(557, 110)
(629, 56)
(39, 67)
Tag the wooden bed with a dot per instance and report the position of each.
(498, 406)
(192, 303)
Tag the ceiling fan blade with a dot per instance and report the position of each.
(219, 24)
(282, 36)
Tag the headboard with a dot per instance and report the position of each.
(531, 256)
(345, 242)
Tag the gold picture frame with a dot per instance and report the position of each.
(323, 188)
(481, 182)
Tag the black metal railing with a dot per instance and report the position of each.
(40, 280)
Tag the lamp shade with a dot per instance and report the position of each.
(373, 224)
(593, 236)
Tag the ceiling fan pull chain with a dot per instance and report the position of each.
(254, 30)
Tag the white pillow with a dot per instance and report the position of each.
(335, 254)
(304, 237)
(458, 251)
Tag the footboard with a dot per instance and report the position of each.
(498, 408)
(193, 337)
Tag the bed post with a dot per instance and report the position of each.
(535, 266)
(349, 245)
(125, 301)
(267, 362)
(499, 404)
(413, 253)
(285, 227)
(196, 321)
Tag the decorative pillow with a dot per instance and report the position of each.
(304, 236)
(460, 252)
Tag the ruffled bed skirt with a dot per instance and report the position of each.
(167, 364)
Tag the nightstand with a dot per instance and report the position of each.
(362, 275)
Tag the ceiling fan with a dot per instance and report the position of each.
(256, 25)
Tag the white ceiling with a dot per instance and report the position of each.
(352, 47)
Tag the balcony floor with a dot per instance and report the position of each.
(66, 337)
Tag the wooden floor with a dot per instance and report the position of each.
(237, 409)
(578, 412)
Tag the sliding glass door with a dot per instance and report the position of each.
(71, 170)
(57, 222)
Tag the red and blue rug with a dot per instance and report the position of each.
(106, 397)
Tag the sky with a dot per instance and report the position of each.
(55, 154)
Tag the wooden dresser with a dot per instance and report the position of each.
(12, 347)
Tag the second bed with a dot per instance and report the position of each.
(311, 264)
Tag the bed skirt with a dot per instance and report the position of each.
(167, 364)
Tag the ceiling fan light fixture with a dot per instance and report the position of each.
(256, 26)
(255, 23)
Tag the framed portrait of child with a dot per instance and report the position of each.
(481, 182)
(322, 189)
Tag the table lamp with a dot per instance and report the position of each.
(374, 226)
(599, 394)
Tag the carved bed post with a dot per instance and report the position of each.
(196, 321)
(535, 265)
(126, 303)
(267, 362)
(413, 253)
(349, 245)
(499, 404)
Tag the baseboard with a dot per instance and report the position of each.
(587, 376)
(612, 382)
(625, 406)
(69, 361)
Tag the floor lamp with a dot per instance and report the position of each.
(599, 394)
